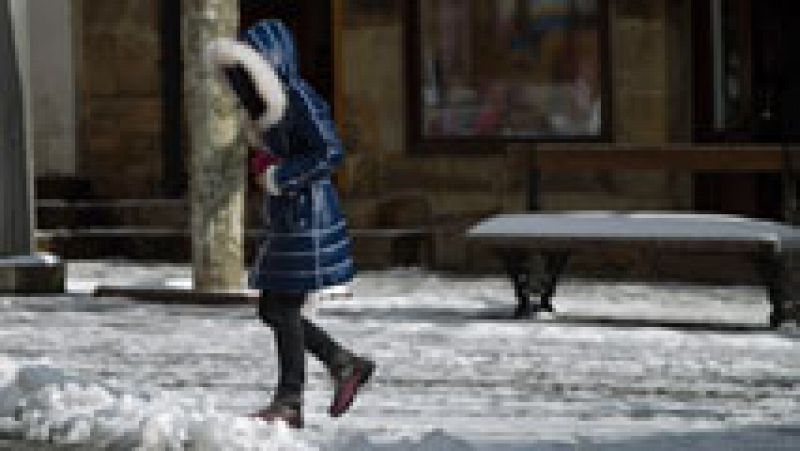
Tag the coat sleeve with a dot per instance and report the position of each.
(320, 149)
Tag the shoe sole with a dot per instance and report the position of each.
(351, 389)
(290, 423)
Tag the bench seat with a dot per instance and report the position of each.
(555, 236)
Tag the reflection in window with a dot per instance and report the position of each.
(730, 39)
(510, 68)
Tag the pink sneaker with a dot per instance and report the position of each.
(348, 380)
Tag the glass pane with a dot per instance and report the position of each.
(510, 68)
(731, 44)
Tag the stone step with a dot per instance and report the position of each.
(372, 248)
(159, 245)
(63, 187)
(144, 244)
(82, 214)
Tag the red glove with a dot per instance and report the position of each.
(261, 161)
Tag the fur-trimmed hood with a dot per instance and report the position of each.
(268, 55)
(275, 42)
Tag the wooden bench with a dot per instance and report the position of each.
(555, 236)
(783, 159)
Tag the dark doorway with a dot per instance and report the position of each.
(174, 171)
(747, 90)
(310, 21)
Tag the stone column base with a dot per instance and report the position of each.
(32, 274)
(180, 296)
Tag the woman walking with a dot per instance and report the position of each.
(306, 245)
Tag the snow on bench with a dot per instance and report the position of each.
(555, 236)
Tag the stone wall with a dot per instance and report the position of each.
(120, 96)
(651, 104)
(386, 186)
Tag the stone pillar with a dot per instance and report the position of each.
(217, 151)
(20, 270)
(639, 65)
(15, 171)
(52, 72)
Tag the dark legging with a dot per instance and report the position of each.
(293, 335)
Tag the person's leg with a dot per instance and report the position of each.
(295, 334)
(349, 371)
(322, 346)
(281, 312)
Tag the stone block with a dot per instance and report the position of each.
(403, 211)
(142, 17)
(514, 201)
(141, 115)
(121, 16)
(371, 253)
(639, 10)
(141, 144)
(642, 184)
(135, 186)
(466, 204)
(641, 116)
(450, 249)
(140, 78)
(360, 211)
(584, 181)
(103, 114)
(100, 48)
(641, 62)
(105, 143)
(100, 78)
(37, 274)
(601, 201)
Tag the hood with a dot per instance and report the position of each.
(273, 40)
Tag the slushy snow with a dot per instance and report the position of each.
(625, 367)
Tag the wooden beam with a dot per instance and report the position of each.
(700, 158)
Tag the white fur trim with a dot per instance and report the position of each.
(227, 52)
(269, 182)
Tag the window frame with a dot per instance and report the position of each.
(417, 142)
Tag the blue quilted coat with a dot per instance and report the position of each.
(305, 244)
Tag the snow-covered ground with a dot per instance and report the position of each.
(624, 367)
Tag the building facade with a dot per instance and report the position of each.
(452, 110)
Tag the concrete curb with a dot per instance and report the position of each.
(175, 296)
(32, 274)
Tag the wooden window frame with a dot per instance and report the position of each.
(417, 143)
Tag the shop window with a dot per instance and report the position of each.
(746, 70)
(507, 69)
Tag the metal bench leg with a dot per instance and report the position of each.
(516, 265)
(554, 265)
(771, 270)
(519, 272)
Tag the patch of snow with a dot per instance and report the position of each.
(453, 373)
